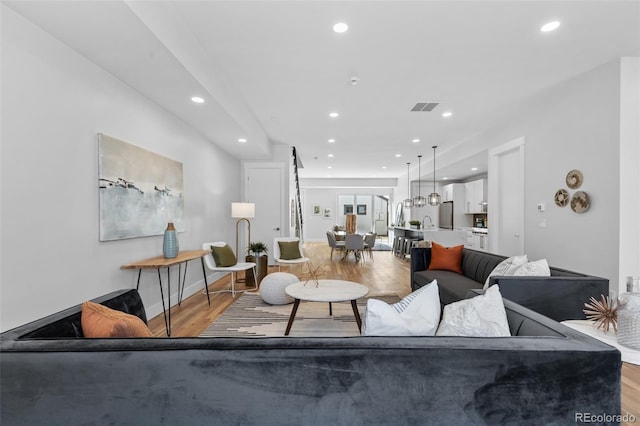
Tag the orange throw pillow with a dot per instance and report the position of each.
(100, 321)
(446, 258)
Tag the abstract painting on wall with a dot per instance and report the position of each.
(140, 191)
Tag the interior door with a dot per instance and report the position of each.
(506, 198)
(264, 186)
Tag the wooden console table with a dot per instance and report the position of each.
(160, 262)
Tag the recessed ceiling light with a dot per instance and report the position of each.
(398, 155)
(242, 140)
(415, 140)
(550, 26)
(333, 114)
(331, 140)
(447, 114)
(330, 167)
(473, 169)
(340, 27)
(197, 99)
(445, 178)
(330, 155)
(384, 167)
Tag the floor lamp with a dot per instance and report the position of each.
(243, 211)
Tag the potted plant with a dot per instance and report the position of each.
(257, 251)
(415, 224)
(257, 248)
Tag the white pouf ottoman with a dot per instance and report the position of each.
(272, 288)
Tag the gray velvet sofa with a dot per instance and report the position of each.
(544, 374)
(560, 297)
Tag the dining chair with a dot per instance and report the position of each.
(210, 262)
(288, 251)
(369, 242)
(353, 243)
(333, 243)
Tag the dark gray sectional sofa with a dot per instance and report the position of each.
(544, 374)
(561, 296)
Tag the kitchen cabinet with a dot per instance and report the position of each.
(481, 242)
(475, 196)
(447, 192)
(470, 240)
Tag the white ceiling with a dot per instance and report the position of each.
(271, 71)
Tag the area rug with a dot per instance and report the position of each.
(250, 316)
(381, 247)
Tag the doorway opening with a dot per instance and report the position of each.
(506, 192)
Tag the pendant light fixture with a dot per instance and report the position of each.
(408, 202)
(434, 197)
(419, 200)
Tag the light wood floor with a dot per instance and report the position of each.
(631, 391)
(385, 274)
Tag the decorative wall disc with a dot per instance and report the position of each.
(580, 202)
(561, 198)
(574, 179)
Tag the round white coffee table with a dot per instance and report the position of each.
(327, 291)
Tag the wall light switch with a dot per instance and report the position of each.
(541, 207)
(542, 223)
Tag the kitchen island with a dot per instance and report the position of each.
(399, 235)
(439, 235)
(401, 231)
(474, 238)
(445, 237)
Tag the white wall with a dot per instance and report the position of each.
(589, 122)
(574, 125)
(315, 227)
(629, 170)
(54, 102)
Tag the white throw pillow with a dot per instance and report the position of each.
(506, 267)
(418, 314)
(539, 268)
(481, 316)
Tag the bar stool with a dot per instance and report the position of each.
(396, 243)
(408, 245)
(400, 247)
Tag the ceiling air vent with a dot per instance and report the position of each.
(425, 106)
